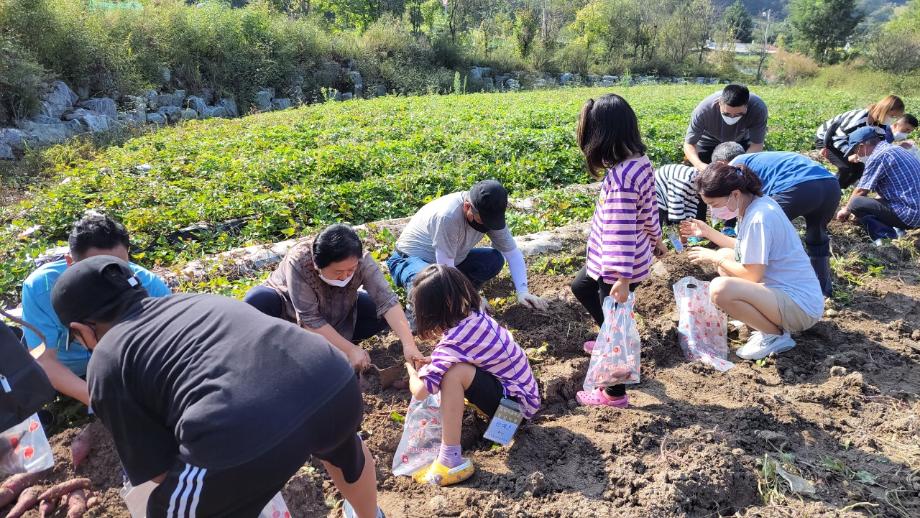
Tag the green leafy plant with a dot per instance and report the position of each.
(285, 174)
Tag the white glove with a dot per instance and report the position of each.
(532, 301)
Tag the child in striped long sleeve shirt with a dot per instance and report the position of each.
(476, 359)
(625, 232)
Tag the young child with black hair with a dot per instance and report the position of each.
(476, 359)
(625, 231)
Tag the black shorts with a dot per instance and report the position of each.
(331, 434)
(485, 392)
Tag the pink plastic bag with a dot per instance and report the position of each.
(25, 449)
(617, 353)
(421, 438)
(702, 327)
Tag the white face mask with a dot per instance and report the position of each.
(890, 120)
(901, 135)
(731, 121)
(724, 213)
(862, 159)
(334, 282)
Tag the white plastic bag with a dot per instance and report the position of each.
(276, 508)
(25, 449)
(136, 499)
(702, 328)
(421, 437)
(617, 354)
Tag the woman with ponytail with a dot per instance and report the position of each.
(765, 278)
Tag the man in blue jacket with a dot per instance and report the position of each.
(64, 360)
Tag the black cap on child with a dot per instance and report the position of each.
(93, 286)
(490, 200)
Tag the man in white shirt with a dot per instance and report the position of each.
(446, 230)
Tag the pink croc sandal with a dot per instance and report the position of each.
(589, 346)
(598, 397)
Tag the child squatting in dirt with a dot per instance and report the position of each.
(476, 359)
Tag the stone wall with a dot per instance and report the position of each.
(63, 114)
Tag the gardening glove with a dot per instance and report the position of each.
(532, 301)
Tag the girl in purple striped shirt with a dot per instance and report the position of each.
(476, 359)
(625, 233)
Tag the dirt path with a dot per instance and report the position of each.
(840, 410)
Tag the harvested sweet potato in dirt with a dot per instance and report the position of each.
(65, 488)
(83, 444)
(76, 504)
(27, 500)
(16, 484)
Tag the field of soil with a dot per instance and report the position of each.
(841, 411)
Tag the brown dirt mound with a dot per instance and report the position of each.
(840, 409)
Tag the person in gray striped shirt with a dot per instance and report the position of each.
(676, 194)
(832, 137)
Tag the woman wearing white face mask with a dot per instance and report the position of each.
(832, 137)
(317, 286)
(765, 278)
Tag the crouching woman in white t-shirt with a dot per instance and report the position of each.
(765, 278)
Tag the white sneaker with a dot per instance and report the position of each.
(767, 345)
(754, 341)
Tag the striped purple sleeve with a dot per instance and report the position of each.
(443, 358)
(650, 210)
(616, 241)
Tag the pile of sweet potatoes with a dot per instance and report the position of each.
(73, 496)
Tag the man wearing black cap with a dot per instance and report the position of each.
(445, 231)
(216, 402)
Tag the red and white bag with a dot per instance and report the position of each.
(702, 328)
(25, 449)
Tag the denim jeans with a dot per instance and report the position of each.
(480, 265)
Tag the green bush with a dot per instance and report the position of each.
(391, 55)
(209, 45)
(21, 80)
(791, 67)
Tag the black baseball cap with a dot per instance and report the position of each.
(490, 200)
(93, 286)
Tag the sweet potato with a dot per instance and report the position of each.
(65, 488)
(15, 485)
(46, 508)
(27, 500)
(76, 504)
(81, 446)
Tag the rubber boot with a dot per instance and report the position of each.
(820, 258)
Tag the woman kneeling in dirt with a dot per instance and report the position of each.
(317, 286)
(765, 278)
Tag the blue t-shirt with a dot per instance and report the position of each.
(38, 311)
(782, 170)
